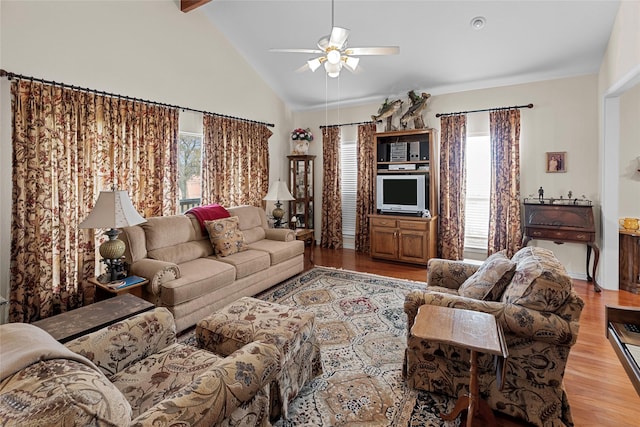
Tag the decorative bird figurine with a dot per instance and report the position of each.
(418, 104)
(386, 111)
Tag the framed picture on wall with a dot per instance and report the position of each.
(556, 161)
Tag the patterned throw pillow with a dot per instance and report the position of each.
(226, 237)
(490, 280)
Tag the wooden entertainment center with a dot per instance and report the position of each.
(406, 236)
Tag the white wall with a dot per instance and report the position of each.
(144, 49)
(619, 72)
(629, 190)
(564, 118)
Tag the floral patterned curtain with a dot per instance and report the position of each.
(365, 201)
(235, 161)
(504, 206)
(66, 146)
(453, 178)
(331, 236)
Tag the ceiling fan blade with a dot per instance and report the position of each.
(338, 37)
(314, 64)
(303, 68)
(380, 50)
(296, 51)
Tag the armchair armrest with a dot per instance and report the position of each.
(447, 273)
(280, 234)
(115, 347)
(158, 272)
(216, 394)
(516, 320)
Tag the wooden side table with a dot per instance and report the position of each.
(81, 321)
(103, 291)
(474, 330)
(306, 235)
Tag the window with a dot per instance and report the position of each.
(478, 190)
(349, 188)
(189, 169)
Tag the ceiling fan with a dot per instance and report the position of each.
(335, 54)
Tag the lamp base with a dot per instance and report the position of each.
(278, 214)
(116, 270)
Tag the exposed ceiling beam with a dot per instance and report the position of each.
(189, 5)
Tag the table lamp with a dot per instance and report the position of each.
(278, 192)
(112, 210)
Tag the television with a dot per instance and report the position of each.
(401, 193)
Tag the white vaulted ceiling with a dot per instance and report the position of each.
(440, 51)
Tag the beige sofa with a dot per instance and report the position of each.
(185, 276)
(132, 373)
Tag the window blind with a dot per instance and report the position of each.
(349, 186)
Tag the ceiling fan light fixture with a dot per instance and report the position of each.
(314, 64)
(333, 70)
(351, 62)
(333, 56)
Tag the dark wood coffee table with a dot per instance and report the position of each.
(474, 330)
(75, 323)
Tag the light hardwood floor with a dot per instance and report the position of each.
(600, 393)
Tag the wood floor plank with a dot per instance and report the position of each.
(600, 393)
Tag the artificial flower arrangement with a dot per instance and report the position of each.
(302, 134)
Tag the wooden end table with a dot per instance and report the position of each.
(103, 291)
(84, 320)
(306, 235)
(474, 330)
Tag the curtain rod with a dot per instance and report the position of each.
(346, 124)
(486, 109)
(11, 75)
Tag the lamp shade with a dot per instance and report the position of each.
(113, 209)
(278, 191)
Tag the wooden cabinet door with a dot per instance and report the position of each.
(384, 242)
(629, 267)
(412, 246)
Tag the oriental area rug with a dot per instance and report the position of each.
(361, 328)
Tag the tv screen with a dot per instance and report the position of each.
(400, 192)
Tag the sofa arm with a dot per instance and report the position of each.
(447, 273)
(158, 272)
(115, 347)
(218, 392)
(516, 320)
(280, 234)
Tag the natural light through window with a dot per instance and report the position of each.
(478, 188)
(349, 188)
(189, 169)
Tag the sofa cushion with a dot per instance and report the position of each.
(162, 375)
(61, 392)
(197, 278)
(490, 280)
(540, 282)
(252, 222)
(183, 252)
(279, 251)
(248, 262)
(226, 237)
(163, 231)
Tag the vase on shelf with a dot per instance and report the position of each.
(300, 147)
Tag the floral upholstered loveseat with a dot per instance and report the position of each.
(533, 299)
(132, 373)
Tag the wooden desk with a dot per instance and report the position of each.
(629, 272)
(474, 330)
(81, 321)
(624, 350)
(563, 223)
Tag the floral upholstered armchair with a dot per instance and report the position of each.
(533, 300)
(134, 373)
